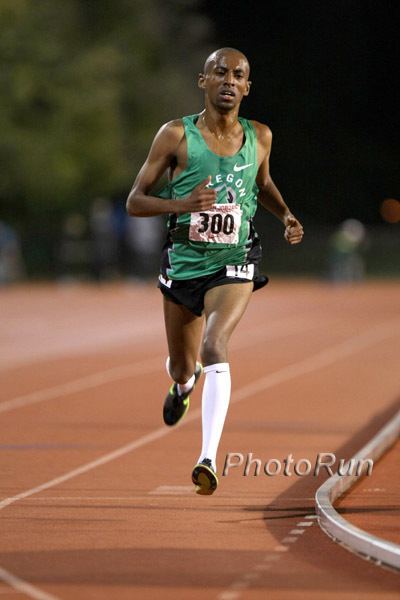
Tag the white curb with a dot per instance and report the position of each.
(383, 552)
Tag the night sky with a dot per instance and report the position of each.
(325, 79)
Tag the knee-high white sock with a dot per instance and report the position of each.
(215, 402)
(182, 387)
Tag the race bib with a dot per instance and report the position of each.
(240, 271)
(219, 225)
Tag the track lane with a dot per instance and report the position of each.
(119, 530)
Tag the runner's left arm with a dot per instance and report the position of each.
(269, 196)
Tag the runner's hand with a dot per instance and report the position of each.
(293, 230)
(202, 198)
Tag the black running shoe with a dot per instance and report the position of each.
(259, 282)
(205, 478)
(176, 406)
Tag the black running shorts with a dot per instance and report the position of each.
(190, 292)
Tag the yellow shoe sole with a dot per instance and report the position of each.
(204, 479)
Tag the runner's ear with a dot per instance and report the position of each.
(201, 81)
(247, 92)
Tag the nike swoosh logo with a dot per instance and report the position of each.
(241, 167)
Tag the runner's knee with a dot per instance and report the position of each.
(181, 371)
(213, 350)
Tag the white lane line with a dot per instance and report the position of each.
(271, 557)
(321, 359)
(143, 367)
(172, 490)
(234, 590)
(88, 499)
(280, 548)
(289, 539)
(102, 460)
(314, 362)
(304, 524)
(24, 587)
(273, 331)
(46, 499)
(311, 517)
(261, 567)
(296, 531)
(229, 595)
(279, 329)
(239, 585)
(268, 560)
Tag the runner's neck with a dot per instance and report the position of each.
(221, 125)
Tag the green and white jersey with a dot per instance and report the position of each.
(201, 243)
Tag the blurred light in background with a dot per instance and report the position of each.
(390, 210)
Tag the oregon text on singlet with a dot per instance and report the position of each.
(202, 243)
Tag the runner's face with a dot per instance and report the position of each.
(226, 81)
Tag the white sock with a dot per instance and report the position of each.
(215, 402)
(182, 387)
(167, 363)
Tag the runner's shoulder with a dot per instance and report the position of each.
(170, 135)
(174, 130)
(264, 134)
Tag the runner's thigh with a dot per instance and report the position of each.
(224, 306)
(184, 330)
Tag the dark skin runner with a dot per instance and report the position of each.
(225, 81)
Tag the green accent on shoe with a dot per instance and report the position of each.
(176, 405)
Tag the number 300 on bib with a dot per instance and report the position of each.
(220, 225)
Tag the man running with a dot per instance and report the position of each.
(218, 169)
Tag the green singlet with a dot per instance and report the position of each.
(201, 243)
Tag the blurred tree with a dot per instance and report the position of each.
(83, 86)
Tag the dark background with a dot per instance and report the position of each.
(85, 85)
(326, 80)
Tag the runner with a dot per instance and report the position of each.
(218, 169)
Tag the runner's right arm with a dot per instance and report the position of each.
(162, 154)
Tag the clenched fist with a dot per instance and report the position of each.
(293, 230)
(202, 198)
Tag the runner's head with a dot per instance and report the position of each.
(225, 78)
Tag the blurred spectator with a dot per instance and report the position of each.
(74, 249)
(104, 236)
(346, 244)
(143, 239)
(11, 262)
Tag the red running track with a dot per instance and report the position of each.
(96, 495)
